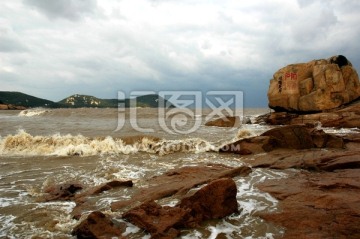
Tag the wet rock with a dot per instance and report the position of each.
(347, 117)
(215, 200)
(325, 205)
(82, 203)
(97, 225)
(313, 159)
(159, 221)
(257, 144)
(228, 121)
(294, 137)
(290, 137)
(314, 86)
(62, 192)
(179, 181)
(104, 187)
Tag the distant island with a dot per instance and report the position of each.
(17, 100)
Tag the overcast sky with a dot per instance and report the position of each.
(53, 49)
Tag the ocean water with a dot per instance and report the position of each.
(43, 147)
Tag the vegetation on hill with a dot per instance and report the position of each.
(28, 101)
(79, 101)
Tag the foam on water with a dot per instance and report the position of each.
(33, 112)
(24, 144)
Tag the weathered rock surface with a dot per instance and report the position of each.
(179, 181)
(104, 187)
(98, 226)
(314, 86)
(323, 199)
(317, 205)
(215, 200)
(228, 121)
(347, 117)
(82, 204)
(290, 137)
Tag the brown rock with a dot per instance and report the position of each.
(179, 181)
(62, 192)
(81, 198)
(104, 187)
(312, 159)
(4, 107)
(314, 205)
(347, 117)
(97, 225)
(314, 86)
(159, 221)
(257, 144)
(215, 200)
(291, 137)
(228, 121)
(11, 107)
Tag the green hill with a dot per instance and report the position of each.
(21, 99)
(78, 101)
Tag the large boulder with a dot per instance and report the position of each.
(215, 200)
(314, 86)
(179, 181)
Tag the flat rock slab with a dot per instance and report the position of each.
(310, 159)
(179, 182)
(317, 205)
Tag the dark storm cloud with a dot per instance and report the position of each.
(167, 44)
(68, 9)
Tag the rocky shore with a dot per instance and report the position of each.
(319, 199)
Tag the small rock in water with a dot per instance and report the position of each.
(98, 226)
(63, 192)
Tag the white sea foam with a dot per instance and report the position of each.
(33, 112)
(25, 144)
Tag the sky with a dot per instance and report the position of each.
(53, 49)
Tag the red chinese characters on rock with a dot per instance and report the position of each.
(288, 83)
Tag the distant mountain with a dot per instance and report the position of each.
(79, 101)
(28, 101)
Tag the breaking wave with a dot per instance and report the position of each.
(33, 112)
(25, 144)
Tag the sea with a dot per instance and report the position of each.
(42, 147)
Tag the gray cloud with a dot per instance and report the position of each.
(9, 41)
(167, 45)
(68, 9)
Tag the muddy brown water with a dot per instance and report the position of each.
(42, 147)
